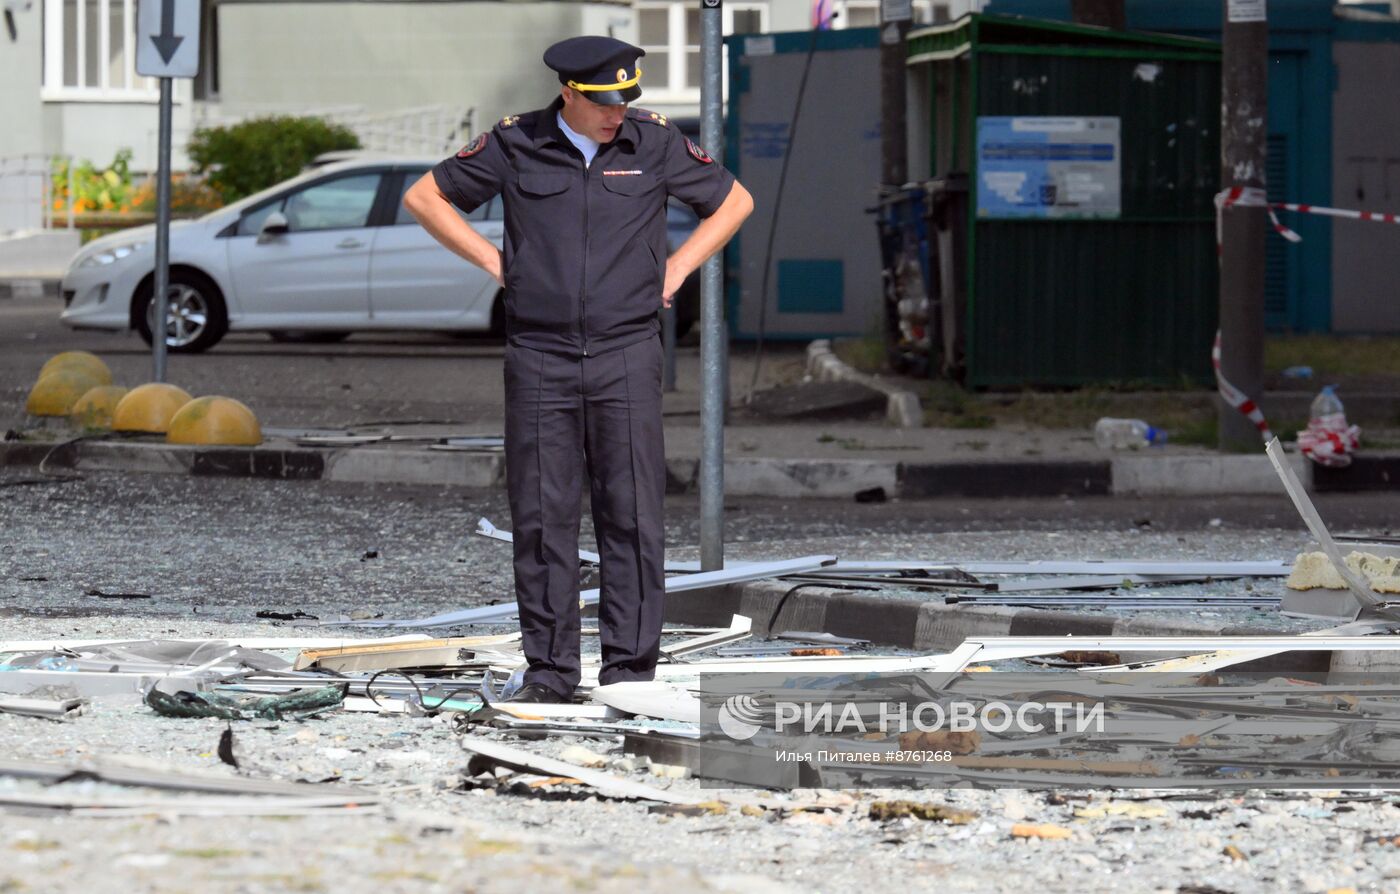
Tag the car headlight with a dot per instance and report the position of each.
(111, 255)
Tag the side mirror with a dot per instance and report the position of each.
(273, 226)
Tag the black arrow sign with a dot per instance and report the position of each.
(167, 42)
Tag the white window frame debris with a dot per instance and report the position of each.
(740, 628)
(391, 655)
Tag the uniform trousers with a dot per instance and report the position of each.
(597, 417)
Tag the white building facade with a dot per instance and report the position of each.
(73, 89)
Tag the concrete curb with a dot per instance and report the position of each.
(779, 606)
(1143, 475)
(902, 407)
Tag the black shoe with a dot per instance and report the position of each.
(537, 693)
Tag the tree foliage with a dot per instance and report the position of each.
(240, 159)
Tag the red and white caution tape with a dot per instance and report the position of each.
(1329, 440)
(1338, 212)
(1254, 197)
(1245, 197)
(1237, 398)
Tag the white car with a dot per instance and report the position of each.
(329, 252)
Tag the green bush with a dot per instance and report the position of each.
(243, 158)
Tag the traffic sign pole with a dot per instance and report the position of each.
(714, 395)
(161, 296)
(167, 48)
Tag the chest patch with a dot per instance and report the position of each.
(697, 153)
(473, 147)
(621, 173)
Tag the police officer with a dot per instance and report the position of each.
(585, 269)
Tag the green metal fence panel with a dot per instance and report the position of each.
(1072, 302)
(1085, 302)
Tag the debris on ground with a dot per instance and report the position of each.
(298, 704)
(938, 813)
(1040, 830)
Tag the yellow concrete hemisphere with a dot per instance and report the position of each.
(56, 392)
(79, 360)
(94, 410)
(148, 408)
(215, 420)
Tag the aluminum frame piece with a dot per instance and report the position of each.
(388, 656)
(1117, 567)
(49, 709)
(484, 528)
(563, 711)
(262, 643)
(1215, 651)
(505, 611)
(740, 628)
(606, 783)
(118, 808)
(1365, 598)
(90, 684)
(1130, 602)
(160, 776)
(1098, 582)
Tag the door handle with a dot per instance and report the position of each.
(349, 243)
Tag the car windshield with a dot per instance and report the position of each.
(268, 193)
(308, 174)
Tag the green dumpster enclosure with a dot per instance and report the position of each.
(1090, 160)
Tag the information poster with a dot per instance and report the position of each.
(1049, 167)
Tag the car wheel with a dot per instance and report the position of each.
(196, 318)
(302, 336)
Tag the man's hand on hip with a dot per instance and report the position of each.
(675, 278)
(496, 266)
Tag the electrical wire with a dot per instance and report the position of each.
(778, 204)
(422, 703)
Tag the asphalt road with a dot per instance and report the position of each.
(223, 549)
(371, 377)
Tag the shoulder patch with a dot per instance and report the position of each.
(473, 147)
(697, 153)
(650, 117)
(510, 121)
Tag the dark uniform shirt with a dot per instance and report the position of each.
(585, 245)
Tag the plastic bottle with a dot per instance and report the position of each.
(54, 663)
(1327, 403)
(1127, 434)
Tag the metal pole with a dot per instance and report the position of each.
(161, 295)
(894, 150)
(713, 356)
(1243, 152)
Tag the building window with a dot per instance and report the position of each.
(866, 13)
(206, 82)
(670, 33)
(90, 51)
